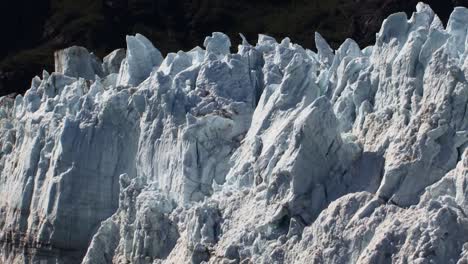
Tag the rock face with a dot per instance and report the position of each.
(35, 32)
(274, 154)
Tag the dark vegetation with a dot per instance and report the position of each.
(33, 29)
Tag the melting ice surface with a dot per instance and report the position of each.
(273, 154)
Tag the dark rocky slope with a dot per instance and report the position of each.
(35, 28)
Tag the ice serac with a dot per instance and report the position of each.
(77, 62)
(273, 154)
(141, 58)
(62, 147)
(111, 63)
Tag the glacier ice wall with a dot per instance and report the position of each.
(273, 154)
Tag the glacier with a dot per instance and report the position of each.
(274, 154)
